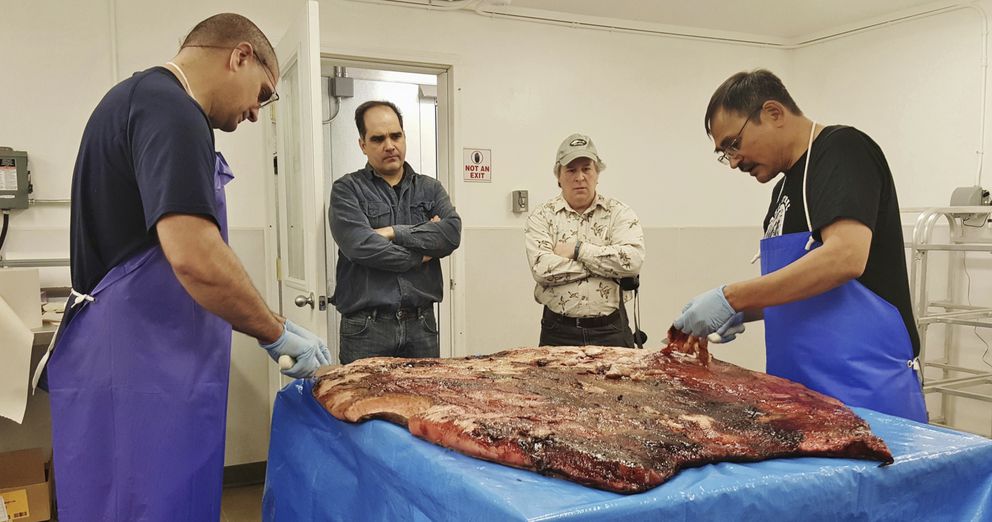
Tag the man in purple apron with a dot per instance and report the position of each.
(834, 292)
(139, 372)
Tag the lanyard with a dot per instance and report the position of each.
(809, 224)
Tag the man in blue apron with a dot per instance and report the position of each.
(139, 372)
(834, 292)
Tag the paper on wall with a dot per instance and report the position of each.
(15, 351)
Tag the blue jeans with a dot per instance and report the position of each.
(374, 333)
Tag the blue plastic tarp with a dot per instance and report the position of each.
(320, 468)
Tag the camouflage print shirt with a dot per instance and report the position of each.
(612, 247)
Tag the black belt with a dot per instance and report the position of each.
(402, 314)
(583, 322)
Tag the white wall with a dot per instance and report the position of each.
(520, 88)
(915, 88)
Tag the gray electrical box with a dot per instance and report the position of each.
(341, 87)
(15, 181)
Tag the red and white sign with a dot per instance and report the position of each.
(478, 165)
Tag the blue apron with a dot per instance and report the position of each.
(848, 342)
(138, 385)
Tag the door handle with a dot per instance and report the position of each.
(302, 300)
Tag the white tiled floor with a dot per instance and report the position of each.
(242, 504)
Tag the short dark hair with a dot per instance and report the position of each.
(360, 114)
(228, 30)
(746, 92)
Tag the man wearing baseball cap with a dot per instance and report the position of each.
(579, 244)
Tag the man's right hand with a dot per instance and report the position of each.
(306, 351)
(386, 232)
(323, 354)
(565, 249)
(705, 314)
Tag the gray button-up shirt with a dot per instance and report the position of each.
(373, 271)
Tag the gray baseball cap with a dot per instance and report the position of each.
(577, 146)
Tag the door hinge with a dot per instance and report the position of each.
(278, 269)
(451, 284)
(275, 164)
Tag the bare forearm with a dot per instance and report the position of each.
(811, 275)
(754, 315)
(842, 257)
(223, 287)
(212, 274)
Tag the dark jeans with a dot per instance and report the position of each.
(374, 333)
(555, 332)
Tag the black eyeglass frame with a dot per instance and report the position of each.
(734, 147)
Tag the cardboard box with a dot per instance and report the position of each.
(26, 485)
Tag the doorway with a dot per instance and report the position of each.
(419, 93)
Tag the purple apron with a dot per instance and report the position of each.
(138, 384)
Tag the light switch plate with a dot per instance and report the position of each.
(519, 201)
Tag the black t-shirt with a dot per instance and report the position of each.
(147, 150)
(849, 179)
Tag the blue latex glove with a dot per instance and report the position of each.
(302, 350)
(323, 354)
(728, 332)
(705, 313)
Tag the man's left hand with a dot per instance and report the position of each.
(565, 249)
(728, 332)
(705, 313)
(386, 232)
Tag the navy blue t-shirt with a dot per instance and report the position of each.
(147, 151)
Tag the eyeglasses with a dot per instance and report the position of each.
(263, 97)
(733, 148)
(274, 97)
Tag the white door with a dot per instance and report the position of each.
(300, 187)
